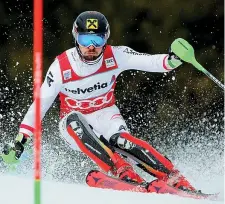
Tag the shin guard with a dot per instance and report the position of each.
(148, 158)
(88, 142)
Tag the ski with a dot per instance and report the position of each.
(99, 179)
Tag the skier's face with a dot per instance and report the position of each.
(91, 52)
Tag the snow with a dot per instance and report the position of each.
(19, 190)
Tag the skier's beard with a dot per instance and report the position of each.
(91, 55)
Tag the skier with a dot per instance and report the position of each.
(84, 77)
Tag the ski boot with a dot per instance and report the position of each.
(174, 182)
(125, 171)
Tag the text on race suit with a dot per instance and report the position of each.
(89, 89)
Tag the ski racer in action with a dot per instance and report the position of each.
(84, 77)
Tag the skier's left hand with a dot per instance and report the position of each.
(173, 60)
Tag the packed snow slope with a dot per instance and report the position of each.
(20, 191)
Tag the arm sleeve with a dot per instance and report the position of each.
(130, 59)
(49, 90)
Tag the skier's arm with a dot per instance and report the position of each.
(49, 90)
(130, 59)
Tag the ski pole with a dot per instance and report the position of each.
(185, 51)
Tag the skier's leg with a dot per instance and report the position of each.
(97, 148)
(149, 159)
(113, 127)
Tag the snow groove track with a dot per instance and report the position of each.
(20, 191)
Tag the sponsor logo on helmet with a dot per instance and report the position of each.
(92, 23)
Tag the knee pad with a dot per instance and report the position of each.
(118, 141)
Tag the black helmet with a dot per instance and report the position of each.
(93, 29)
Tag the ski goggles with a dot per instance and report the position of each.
(86, 40)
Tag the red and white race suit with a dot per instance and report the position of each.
(89, 89)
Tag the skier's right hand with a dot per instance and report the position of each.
(13, 151)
